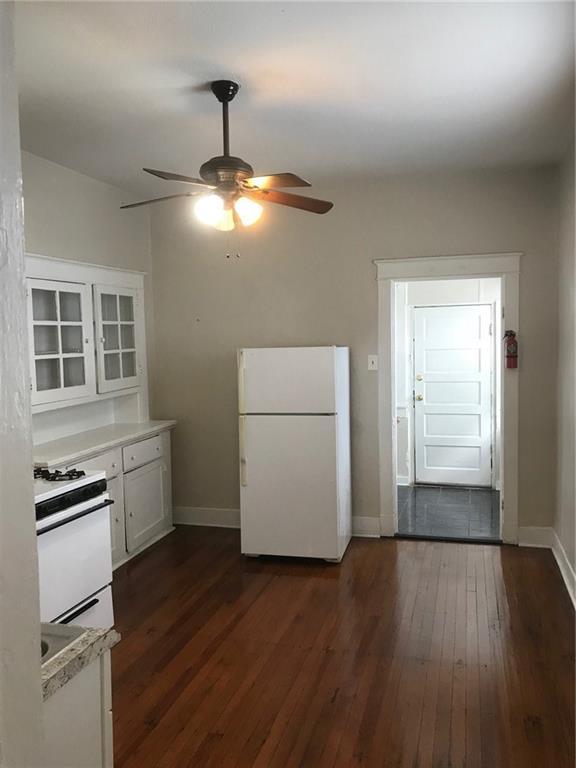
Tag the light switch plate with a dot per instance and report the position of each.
(372, 362)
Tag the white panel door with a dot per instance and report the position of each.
(288, 493)
(452, 389)
(287, 380)
(144, 503)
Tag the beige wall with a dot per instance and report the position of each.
(68, 215)
(303, 279)
(566, 468)
(72, 216)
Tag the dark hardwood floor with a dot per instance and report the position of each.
(416, 654)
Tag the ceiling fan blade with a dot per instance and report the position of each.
(277, 180)
(311, 204)
(168, 176)
(159, 199)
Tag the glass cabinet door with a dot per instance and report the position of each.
(117, 336)
(61, 357)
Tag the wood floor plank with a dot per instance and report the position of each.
(406, 655)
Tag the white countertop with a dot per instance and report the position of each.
(85, 444)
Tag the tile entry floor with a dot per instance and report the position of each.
(446, 512)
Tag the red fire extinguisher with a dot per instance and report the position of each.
(511, 349)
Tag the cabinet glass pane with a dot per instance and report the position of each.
(109, 307)
(73, 368)
(47, 374)
(44, 304)
(111, 366)
(126, 308)
(128, 364)
(46, 340)
(71, 339)
(127, 336)
(70, 307)
(110, 336)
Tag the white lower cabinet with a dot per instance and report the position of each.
(78, 720)
(142, 496)
(144, 503)
(117, 520)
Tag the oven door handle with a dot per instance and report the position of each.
(80, 611)
(77, 516)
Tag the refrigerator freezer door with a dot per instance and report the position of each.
(288, 492)
(287, 380)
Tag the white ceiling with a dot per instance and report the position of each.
(327, 88)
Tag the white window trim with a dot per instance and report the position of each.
(390, 271)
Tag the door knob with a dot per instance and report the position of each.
(419, 397)
(419, 377)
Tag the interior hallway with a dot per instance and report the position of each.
(409, 653)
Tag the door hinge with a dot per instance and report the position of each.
(490, 330)
(491, 457)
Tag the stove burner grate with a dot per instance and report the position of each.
(57, 475)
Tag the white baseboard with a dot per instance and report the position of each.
(210, 516)
(230, 518)
(565, 566)
(547, 538)
(366, 527)
(533, 536)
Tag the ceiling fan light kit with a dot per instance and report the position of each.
(234, 192)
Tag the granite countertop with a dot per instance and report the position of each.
(77, 654)
(83, 445)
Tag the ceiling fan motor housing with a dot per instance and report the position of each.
(224, 90)
(225, 171)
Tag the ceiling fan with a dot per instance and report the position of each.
(235, 193)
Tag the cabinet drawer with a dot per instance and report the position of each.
(96, 612)
(110, 462)
(137, 454)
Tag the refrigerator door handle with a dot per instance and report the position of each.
(241, 370)
(243, 481)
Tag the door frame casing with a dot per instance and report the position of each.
(505, 266)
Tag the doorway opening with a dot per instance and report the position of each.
(447, 408)
(506, 268)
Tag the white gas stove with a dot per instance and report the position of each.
(74, 556)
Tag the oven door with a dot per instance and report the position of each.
(74, 556)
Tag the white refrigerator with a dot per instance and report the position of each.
(295, 494)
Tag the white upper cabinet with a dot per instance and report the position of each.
(117, 338)
(87, 336)
(61, 341)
